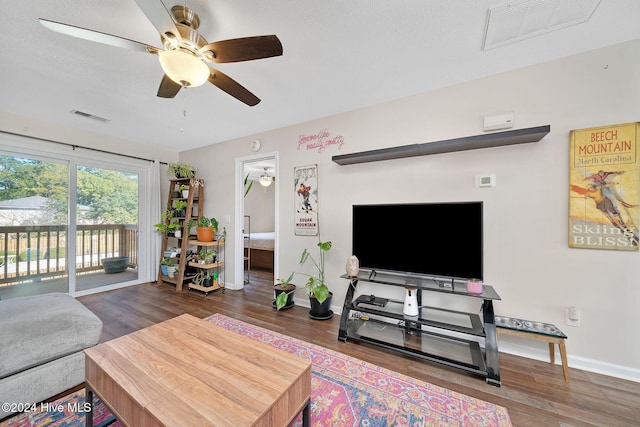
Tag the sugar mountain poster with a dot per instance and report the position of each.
(604, 181)
(305, 183)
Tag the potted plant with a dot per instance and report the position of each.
(165, 264)
(181, 170)
(171, 269)
(284, 292)
(180, 208)
(207, 256)
(316, 288)
(206, 228)
(167, 226)
(204, 278)
(184, 189)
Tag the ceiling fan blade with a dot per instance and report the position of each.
(168, 88)
(160, 17)
(97, 36)
(232, 87)
(244, 49)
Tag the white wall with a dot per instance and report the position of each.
(260, 205)
(527, 258)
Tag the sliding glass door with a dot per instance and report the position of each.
(106, 227)
(34, 197)
(68, 225)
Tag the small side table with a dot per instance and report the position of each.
(538, 331)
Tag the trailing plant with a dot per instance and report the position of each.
(179, 205)
(182, 170)
(202, 276)
(167, 225)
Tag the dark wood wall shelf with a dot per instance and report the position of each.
(495, 139)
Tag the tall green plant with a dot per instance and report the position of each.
(315, 286)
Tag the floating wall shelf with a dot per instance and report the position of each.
(496, 139)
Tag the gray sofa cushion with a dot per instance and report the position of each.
(37, 329)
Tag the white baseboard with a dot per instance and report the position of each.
(590, 365)
(542, 354)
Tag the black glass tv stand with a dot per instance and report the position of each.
(437, 334)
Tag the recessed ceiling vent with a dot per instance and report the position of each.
(89, 116)
(521, 19)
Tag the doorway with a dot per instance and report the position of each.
(256, 217)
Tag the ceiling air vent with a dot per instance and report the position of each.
(89, 116)
(521, 19)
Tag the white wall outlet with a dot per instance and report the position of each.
(572, 316)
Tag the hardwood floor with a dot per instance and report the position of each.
(534, 392)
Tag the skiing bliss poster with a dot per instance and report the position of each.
(604, 188)
(305, 183)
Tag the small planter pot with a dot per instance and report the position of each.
(288, 288)
(163, 268)
(185, 194)
(320, 311)
(205, 234)
(171, 271)
(115, 265)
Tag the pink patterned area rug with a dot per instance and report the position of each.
(345, 391)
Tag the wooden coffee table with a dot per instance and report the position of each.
(189, 372)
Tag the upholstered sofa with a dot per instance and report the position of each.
(42, 339)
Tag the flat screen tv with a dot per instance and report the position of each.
(440, 240)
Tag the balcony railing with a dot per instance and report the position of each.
(36, 252)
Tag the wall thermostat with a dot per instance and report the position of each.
(486, 180)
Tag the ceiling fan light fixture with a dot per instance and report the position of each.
(184, 68)
(265, 179)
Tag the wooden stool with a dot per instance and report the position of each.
(536, 331)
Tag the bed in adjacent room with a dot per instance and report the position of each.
(261, 246)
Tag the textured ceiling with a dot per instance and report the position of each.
(338, 56)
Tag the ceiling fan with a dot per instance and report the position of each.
(185, 53)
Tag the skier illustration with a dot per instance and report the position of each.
(304, 191)
(607, 206)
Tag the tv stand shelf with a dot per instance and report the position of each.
(437, 334)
